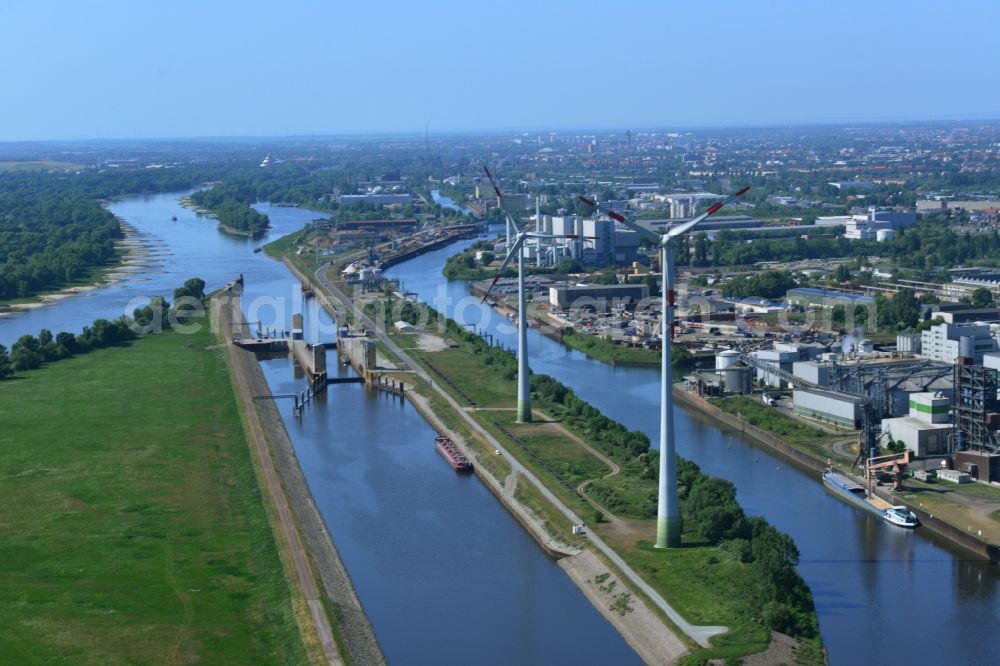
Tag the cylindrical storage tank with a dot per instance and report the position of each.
(732, 377)
(365, 274)
(546, 224)
(377, 274)
(725, 359)
(882, 235)
(967, 346)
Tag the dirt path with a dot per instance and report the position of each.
(281, 479)
(699, 633)
(617, 529)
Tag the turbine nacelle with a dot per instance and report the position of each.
(672, 232)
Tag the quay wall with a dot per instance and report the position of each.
(803, 460)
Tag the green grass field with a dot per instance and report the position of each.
(607, 351)
(706, 584)
(133, 527)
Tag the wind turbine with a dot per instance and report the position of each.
(516, 248)
(668, 517)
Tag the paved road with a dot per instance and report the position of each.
(700, 634)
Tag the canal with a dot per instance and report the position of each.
(445, 573)
(883, 594)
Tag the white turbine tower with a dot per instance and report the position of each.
(668, 517)
(516, 248)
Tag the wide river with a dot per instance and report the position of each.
(447, 576)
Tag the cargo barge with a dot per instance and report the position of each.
(455, 458)
(854, 493)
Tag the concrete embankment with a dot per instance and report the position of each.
(422, 403)
(633, 619)
(658, 643)
(815, 466)
(355, 629)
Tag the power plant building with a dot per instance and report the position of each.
(810, 297)
(926, 429)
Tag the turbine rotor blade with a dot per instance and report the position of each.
(713, 209)
(501, 200)
(618, 217)
(511, 253)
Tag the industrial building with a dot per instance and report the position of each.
(946, 342)
(375, 199)
(601, 242)
(810, 297)
(601, 296)
(927, 427)
(835, 408)
(878, 225)
(402, 224)
(717, 223)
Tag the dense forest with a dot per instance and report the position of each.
(54, 230)
(49, 238)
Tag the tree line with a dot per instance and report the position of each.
(708, 504)
(54, 229)
(50, 237)
(30, 352)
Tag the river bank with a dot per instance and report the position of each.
(816, 466)
(186, 202)
(484, 424)
(131, 256)
(646, 633)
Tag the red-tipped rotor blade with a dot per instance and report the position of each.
(687, 226)
(511, 253)
(501, 200)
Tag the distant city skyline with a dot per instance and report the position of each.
(113, 69)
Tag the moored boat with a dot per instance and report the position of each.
(854, 493)
(452, 454)
(901, 516)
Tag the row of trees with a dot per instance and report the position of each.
(30, 352)
(709, 508)
(924, 247)
(768, 284)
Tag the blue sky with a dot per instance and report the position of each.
(180, 68)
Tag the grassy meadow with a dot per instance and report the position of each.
(133, 529)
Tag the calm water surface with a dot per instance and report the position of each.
(883, 594)
(446, 575)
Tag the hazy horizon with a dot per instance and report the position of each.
(113, 70)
